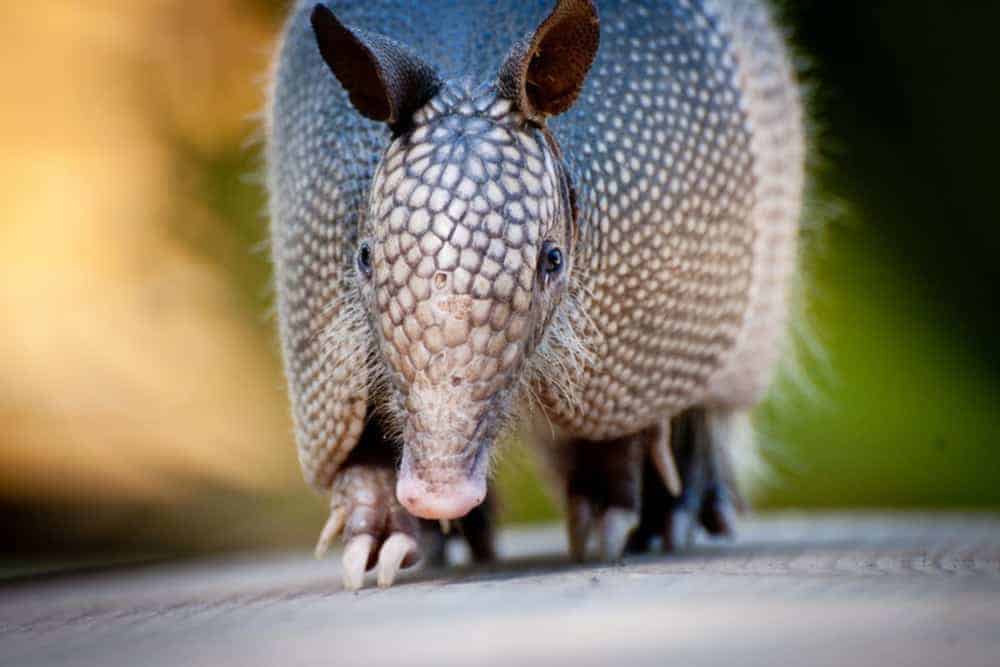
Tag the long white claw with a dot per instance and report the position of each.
(391, 557)
(616, 527)
(580, 520)
(331, 529)
(355, 560)
(663, 460)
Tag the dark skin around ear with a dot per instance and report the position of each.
(385, 80)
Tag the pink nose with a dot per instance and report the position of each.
(442, 501)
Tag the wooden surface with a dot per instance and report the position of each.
(792, 590)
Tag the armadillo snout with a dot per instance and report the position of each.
(447, 437)
(451, 502)
(447, 491)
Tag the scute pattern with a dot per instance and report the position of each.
(460, 206)
(314, 190)
(660, 149)
(770, 99)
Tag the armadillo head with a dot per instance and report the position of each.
(465, 253)
(466, 247)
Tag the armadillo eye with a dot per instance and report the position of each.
(551, 260)
(365, 259)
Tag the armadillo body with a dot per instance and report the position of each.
(674, 181)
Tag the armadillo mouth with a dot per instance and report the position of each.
(443, 489)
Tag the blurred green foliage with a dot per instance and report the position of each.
(900, 413)
(902, 282)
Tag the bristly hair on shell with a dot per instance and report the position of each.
(554, 373)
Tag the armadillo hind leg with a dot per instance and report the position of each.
(707, 500)
(603, 485)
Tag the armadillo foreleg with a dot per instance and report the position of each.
(376, 530)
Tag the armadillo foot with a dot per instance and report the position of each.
(603, 488)
(377, 532)
(707, 500)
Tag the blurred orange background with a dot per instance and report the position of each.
(138, 367)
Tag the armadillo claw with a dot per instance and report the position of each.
(664, 462)
(355, 561)
(393, 555)
(332, 528)
(617, 526)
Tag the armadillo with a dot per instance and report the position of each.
(577, 219)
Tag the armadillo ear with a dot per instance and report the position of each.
(384, 80)
(544, 72)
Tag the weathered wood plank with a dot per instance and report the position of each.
(823, 590)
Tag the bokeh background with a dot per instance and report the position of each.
(142, 407)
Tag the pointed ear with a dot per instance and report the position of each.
(384, 79)
(544, 72)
